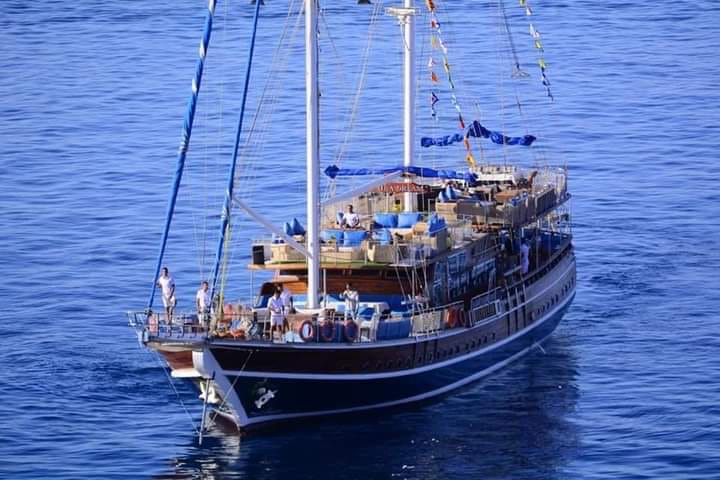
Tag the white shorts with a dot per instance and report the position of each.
(277, 320)
(169, 302)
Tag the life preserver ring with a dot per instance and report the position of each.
(307, 330)
(327, 331)
(351, 330)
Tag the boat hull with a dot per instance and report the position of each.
(258, 399)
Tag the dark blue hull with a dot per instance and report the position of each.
(263, 399)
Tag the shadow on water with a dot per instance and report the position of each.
(513, 425)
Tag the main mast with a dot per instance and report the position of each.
(406, 18)
(312, 152)
(408, 23)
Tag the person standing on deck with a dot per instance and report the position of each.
(202, 302)
(167, 285)
(275, 310)
(288, 307)
(525, 257)
(351, 297)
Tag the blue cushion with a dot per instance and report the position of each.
(387, 220)
(408, 219)
(442, 198)
(296, 227)
(382, 236)
(339, 217)
(394, 329)
(435, 224)
(327, 235)
(353, 238)
(287, 228)
(451, 193)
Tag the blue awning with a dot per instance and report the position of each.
(478, 131)
(334, 171)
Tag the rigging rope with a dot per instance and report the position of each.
(231, 175)
(184, 143)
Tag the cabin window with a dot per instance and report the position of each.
(493, 336)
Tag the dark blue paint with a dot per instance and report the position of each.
(93, 98)
(303, 396)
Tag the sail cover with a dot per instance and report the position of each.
(334, 171)
(477, 130)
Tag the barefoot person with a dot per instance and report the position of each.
(167, 285)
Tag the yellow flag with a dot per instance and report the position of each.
(470, 160)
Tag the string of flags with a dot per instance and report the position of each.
(438, 46)
(537, 43)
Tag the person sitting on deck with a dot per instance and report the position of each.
(525, 257)
(167, 285)
(275, 310)
(350, 219)
(202, 302)
(351, 297)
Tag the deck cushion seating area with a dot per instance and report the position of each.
(293, 228)
(353, 238)
(386, 220)
(328, 235)
(382, 236)
(408, 219)
(435, 224)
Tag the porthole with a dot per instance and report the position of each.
(472, 344)
(485, 339)
(420, 359)
(493, 336)
(388, 365)
(429, 357)
(457, 349)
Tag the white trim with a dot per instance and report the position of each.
(414, 398)
(206, 364)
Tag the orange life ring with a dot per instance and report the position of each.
(351, 324)
(452, 318)
(324, 329)
(307, 330)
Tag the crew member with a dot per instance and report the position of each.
(167, 285)
(275, 310)
(351, 297)
(202, 302)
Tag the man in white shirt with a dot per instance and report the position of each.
(202, 302)
(275, 310)
(525, 257)
(351, 219)
(167, 285)
(351, 297)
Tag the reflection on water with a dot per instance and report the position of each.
(512, 425)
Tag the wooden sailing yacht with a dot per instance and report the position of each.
(460, 273)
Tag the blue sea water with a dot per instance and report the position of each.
(93, 95)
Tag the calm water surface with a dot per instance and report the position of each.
(93, 95)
